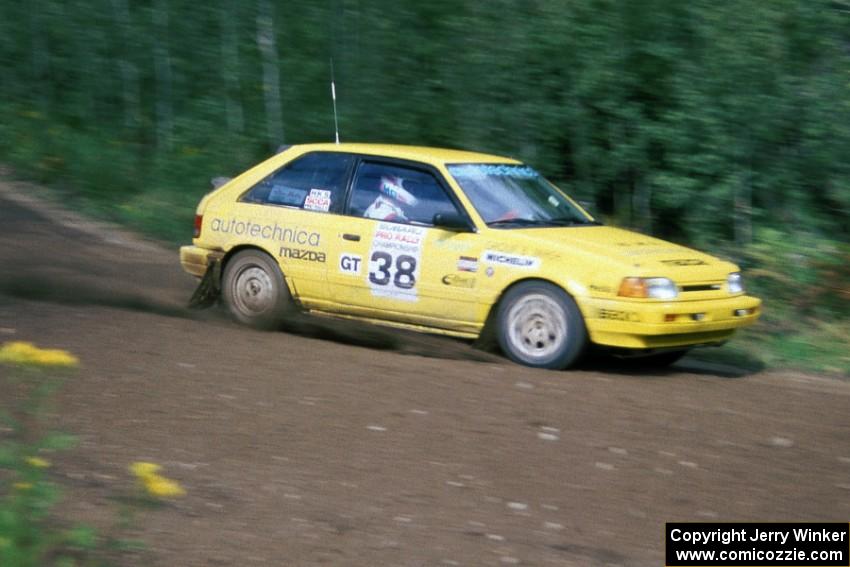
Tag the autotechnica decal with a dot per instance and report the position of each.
(291, 234)
(510, 260)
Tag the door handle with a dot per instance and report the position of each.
(352, 237)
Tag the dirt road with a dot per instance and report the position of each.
(305, 449)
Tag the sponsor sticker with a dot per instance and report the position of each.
(318, 200)
(394, 260)
(283, 195)
(452, 245)
(511, 260)
(467, 264)
(281, 233)
(619, 315)
(684, 262)
(457, 280)
(301, 254)
(350, 263)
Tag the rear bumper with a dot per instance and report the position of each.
(647, 325)
(195, 260)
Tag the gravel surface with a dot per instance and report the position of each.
(349, 445)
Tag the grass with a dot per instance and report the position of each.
(814, 347)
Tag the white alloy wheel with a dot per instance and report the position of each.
(539, 325)
(254, 290)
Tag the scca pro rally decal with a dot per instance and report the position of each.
(510, 260)
(394, 260)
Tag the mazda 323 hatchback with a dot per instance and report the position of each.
(458, 243)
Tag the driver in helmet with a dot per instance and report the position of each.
(390, 203)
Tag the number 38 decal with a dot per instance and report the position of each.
(398, 271)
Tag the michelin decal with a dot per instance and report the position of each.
(510, 260)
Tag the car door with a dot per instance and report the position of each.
(391, 262)
(289, 213)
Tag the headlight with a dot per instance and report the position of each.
(655, 288)
(735, 283)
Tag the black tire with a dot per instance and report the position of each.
(539, 325)
(254, 290)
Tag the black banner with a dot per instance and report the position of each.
(758, 544)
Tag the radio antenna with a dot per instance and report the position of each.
(333, 96)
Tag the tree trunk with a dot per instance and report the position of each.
(128, 70)
(642, 205)
(230, 70)
(743, 201)
(40, 60)
(162, 65)
(271, 73)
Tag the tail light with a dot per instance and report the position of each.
(199, 221)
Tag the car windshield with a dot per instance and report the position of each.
(512, 196)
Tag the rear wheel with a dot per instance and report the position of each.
(254, 290)
(539, 325)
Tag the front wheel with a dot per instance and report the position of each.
(254, 290)
(539, 325)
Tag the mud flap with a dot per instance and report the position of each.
(208, 291)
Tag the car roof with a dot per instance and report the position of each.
(434, 156)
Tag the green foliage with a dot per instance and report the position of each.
(804, 283)
(27, 493)
(31, 534)
(703, 122)
(809, 276)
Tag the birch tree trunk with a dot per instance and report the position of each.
(162, 65)
(271, 73)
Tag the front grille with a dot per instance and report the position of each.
(701, 287)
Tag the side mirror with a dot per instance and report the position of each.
(452, 221)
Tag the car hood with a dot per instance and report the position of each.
(634, 253)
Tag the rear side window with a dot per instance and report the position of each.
(314, 182)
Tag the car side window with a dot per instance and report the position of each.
(314, 182)
(398, 194)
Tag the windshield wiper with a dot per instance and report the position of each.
(543, 222)
(515, 222)
(572, 222)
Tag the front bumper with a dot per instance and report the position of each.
(665, 324)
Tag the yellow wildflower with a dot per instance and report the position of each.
(22, 485)
(19, 352)
(37, 462)
(154, 483)
(142, 469)
(162, 487)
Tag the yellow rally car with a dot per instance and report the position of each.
(457, 243)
